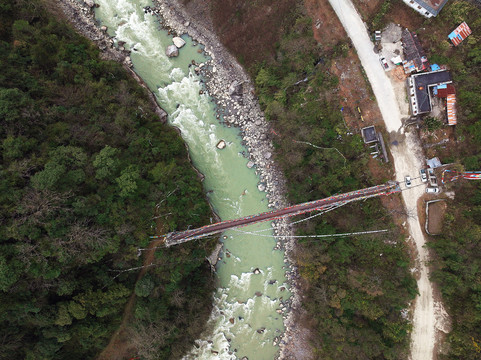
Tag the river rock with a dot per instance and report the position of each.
(250, 164)
(268, 155)
(261, 187)
(178, 42)
(103, 28)
(231, 320)
(257, 271)
(221, 144)
(89, 3)
(258, 293)
(172, 51)
(235, 89)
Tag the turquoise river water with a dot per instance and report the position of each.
(231, 187)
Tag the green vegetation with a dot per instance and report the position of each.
(84, 168)
(356, 287)
(378, 21)
(458, 249)
(431, 124)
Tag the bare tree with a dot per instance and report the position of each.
(148, 339)
(36, 205)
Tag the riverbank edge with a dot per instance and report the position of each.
(82, 18)
(241, 111)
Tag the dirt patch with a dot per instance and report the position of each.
(327, 29)
(435, 219)
(403, 15)
(262, 23)
(354, 92)
(399, 13)
(367, 8)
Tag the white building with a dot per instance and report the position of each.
(427, 8)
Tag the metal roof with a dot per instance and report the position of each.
(434, 6)
(451, 109)
(459, 34)
(413, 50)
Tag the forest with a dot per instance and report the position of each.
(356, 287)
(87, 174)
(457, 251)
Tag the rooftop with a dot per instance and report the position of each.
(369, 134)
(459, 34)
(413, 50)
(434, 6)
(423, 81)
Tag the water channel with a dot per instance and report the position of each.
(244, 321)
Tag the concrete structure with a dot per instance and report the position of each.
(369, 134)
(427, 8)
(420, 89)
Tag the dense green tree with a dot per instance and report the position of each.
(81, 171)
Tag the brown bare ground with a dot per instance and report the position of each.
(436, 216)
(260, 21)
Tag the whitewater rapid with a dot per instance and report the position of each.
(247, 314)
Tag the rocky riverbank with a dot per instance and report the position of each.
(82, 18)
(232, 88)
(227, 82)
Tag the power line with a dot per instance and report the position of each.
(317, 236)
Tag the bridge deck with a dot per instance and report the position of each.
(181, 237)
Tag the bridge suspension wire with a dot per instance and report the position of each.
(367, 232)
(321, 212)
(323, 205)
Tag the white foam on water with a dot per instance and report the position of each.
(192, 111)
(177, 74)
(136, 29)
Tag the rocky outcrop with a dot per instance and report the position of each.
(172, 51)
(178, 41)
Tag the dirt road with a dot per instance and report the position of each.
(408, 159)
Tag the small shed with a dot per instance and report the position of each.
(460, 33)
(369, 134)
(434, 163)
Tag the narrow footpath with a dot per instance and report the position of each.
(408, 159)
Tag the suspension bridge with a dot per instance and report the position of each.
(323, 205)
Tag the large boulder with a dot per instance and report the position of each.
(178, 41)
(172, 51)
(235, 89)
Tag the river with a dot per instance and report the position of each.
(244, 321)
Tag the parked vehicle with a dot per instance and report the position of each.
(432, 190)
(424, 176)
(384, 63)
(407, 180)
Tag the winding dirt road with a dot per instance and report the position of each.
(408, 159)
